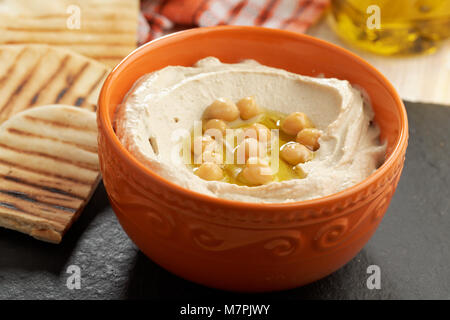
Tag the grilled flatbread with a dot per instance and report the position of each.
(33, 75)
(48, 169)
(105, 30)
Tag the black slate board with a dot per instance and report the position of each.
(411, 246)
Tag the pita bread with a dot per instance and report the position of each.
(105, 30)
(48, 169)
(33, 75)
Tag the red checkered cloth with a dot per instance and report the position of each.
(165, 16)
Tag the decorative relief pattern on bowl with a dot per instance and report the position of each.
(332, 233)
(166, 210)
(278, 243)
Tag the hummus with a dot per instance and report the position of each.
(162, 107)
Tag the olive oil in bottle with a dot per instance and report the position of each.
(392, 27)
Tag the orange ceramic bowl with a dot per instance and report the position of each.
(248, 246)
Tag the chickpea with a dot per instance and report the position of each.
(309, 137)
(248, 148)
(261, 131)
(216, 124)
(209, 156)
(209, 171)
(248, 108)
(257, 171)
(295, 122)
(206, 142)
(295, 153)
(223, 109)
(299, 171)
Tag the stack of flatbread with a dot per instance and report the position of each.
(48, 154)
(105, 30)
(55, 56)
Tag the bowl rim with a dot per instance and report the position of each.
(105, 123)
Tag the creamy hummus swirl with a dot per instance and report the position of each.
(164, 104)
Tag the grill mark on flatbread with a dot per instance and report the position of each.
(100, 57)
(42, 187)
(92, 88)
(79, 101)
(38, 136)
(61, 94)
(45, 173)
(70, 81)
(5, 108)
(61, 66)
(83, 165)
(61, 199)
(96, 84)
(64, 16)
(61, 208)
(26, 197)
(48, 215)
(14, 206)
(9, 206)
(124, 44)
(58, 224)
(63, 30)
(12, 67)
(58, 124)
(34, 99)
